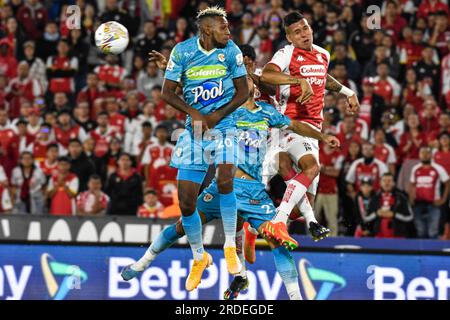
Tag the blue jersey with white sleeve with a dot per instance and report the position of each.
(206, 76)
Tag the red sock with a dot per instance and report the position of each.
(290, 175)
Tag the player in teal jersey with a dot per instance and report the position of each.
(253, 203)
(212, 74)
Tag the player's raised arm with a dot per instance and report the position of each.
(306, 130)
(333, 85)
(271, 74)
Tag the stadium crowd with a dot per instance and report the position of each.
(86, 134)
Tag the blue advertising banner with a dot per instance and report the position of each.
(93, 272)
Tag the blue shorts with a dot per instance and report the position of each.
(253, 202)
(215, 147)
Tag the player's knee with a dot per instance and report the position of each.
(312, 170)
(187, 204)
(284, 164)
(225, 182)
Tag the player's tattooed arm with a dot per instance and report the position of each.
(168, 94)
(306, 130)
(266, 88)
(239, 98)
(333, 85)
(272, 75)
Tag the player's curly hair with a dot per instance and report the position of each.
(215, 11)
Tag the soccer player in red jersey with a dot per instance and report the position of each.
(300, 69)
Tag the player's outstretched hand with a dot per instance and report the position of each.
(307, 91)
(160, 60)
(332, 141)
(353, 104)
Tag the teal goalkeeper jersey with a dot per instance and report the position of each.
(253, 131)
(206, 76)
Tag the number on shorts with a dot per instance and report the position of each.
(267, 208)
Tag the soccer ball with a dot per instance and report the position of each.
(111, 37)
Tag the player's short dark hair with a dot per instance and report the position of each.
(292, 18)
(147, 124)
(248, 51)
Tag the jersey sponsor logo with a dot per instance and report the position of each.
(250, 141)
(310, 70)
(307, 146)
(208, 93)
(206, 72)
(300, 58)
(315, 81)
(221, 57)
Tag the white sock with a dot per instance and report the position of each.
(230, 241)
(293, 291)
(240, 240)
(293, 194)
(144, 261)
(306, 210)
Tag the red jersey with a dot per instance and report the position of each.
(385, 153)
(361, 128)
(39, 150)
(145, 211)
(427, 180)
(110, 74)
(359, 170)
(5, 200)
(156, 155)
(61, 203)
(117, 122)
(86, 201)
(62, 84)
(9, 146)
(386, 224)
(365, 110)
(312, 65)
(102, 140)
(48, 169)
(442, 158)
(63, 137)
(387, 89)
(328, 184)
(164, 181)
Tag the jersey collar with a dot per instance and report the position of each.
(203, 50)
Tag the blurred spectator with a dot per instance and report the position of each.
(389, 214)
(352, 68)
(61, 69)
(111, 74)
(114, 13)
(6, 204)
(441, 32)
(43, 140)
(124, 187)
(427, 69)
(80, 164)
(148, 41)
(47, 44)
(362, 42)
(66, 130)
(32, 17)
(49, 165)
(14, 34)
(441, 154)
(148, 80)
(424, 193)
(383, 151)
(171, 122)
(367, 166)
(92, 202)
(82, 117)
(157, 154)
(151, 208)
(8, 144)
(8, 63)
(392, 21)
(27, 184)
(372, 105)
(62, 189)
(362, 201)
(327, 194)
(386, 86)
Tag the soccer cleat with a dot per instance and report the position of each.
(128, 273)
(249, 245)
(318, 232)
(195, 276)
(239, 284)
(278, 231)
(234, 265)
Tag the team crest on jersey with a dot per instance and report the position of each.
(179, 152)
(208, 197)
(239, 59)
(221, 57)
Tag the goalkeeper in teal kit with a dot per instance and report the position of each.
(211, 71)
(254, 205)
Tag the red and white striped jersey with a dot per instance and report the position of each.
(360, 170)
(311, 65)
(427, 179)
(86, 201)
(385, 153)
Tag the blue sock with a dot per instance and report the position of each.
(193, 228)
(228, 212)
(288, 272)
(165, 239)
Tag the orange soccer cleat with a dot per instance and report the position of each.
(278, 231)
(195, 276)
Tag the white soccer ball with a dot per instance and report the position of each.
(111, 37)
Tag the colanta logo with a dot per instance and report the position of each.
(206, 72)
(73, 277)
(312, 277)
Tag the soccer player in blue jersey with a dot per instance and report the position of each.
(212, 74)
(253, 203)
